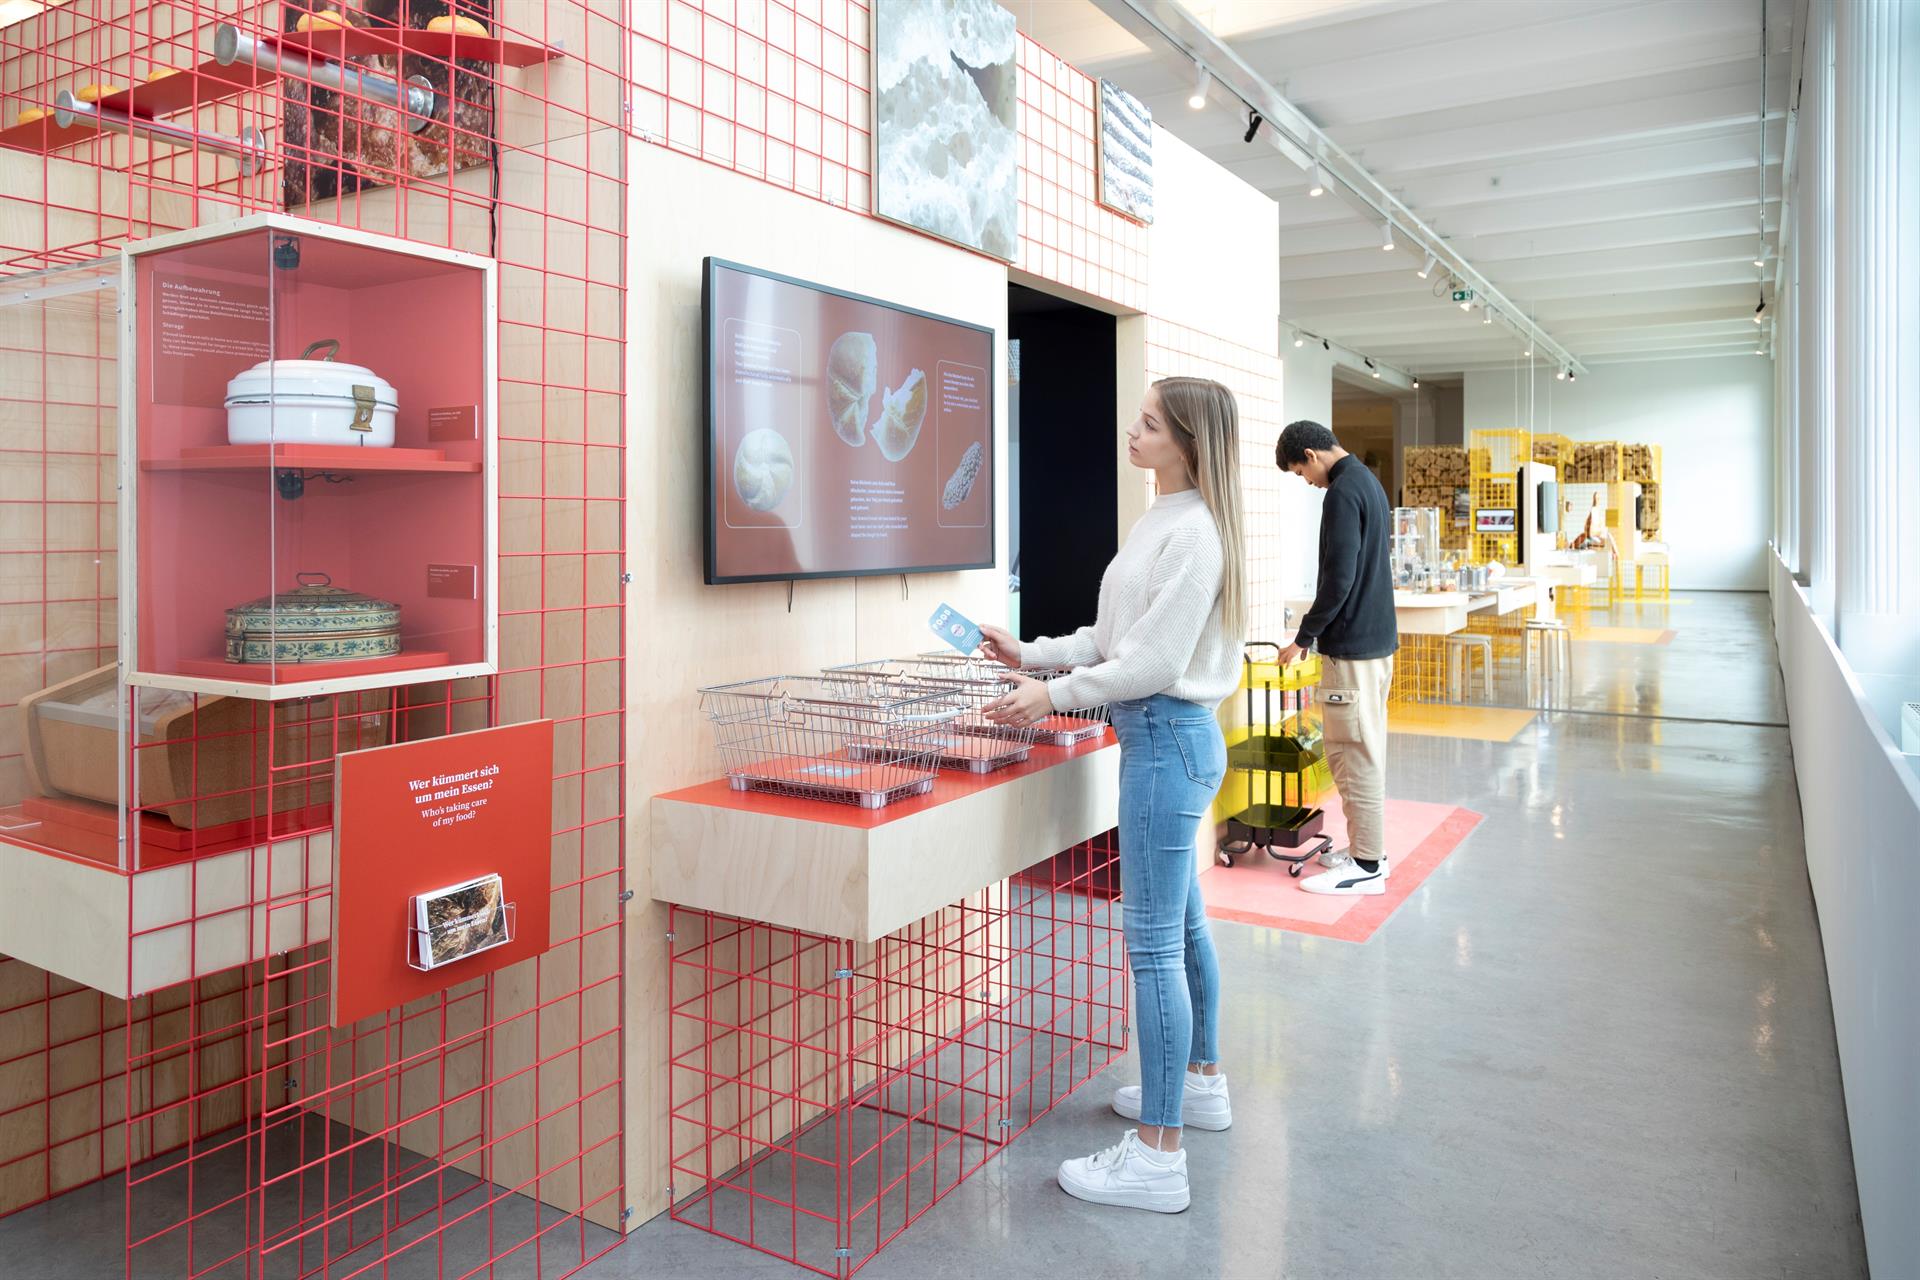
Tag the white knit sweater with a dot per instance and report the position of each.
(1159, 628)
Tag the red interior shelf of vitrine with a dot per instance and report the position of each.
(306, 672)
(325, 457)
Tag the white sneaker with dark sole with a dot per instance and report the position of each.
(1349, 879)
(1130, 1176)
(1203, 1104)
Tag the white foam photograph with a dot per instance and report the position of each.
(945, 130)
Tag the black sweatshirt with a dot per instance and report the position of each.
(1352, 615)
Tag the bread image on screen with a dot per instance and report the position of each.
(960, 483)
(763, 469)
(901, 413)
(853, 367)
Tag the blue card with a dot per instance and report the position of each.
(950, 626)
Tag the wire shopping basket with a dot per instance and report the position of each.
(844, 739)
(1062, 728)
(971, 742)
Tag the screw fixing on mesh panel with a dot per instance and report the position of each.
(628, 1211)
(626, 578)
(626, 895)
(843, 973)
(843, 1253)
(669, 935)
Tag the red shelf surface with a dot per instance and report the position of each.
(208, 82)
(304, 672)
(211, 82)
(443, 46)
(326, 457)
(90, 831)
(948, 785)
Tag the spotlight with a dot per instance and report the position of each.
(1426, 268)
(1386, 236)
(1528, 353)
(1325, 345)
(1760, 311)
(1298, 341)
(1320, 182)
(1759, 262)
(1572, 376)
(1559, 375)
(1253, 125)
(1416, 384)
(1486, 317)
(1467, 305)
(1198, 98)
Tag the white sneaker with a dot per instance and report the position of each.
(1130, 1176)
(1348, 879)
(1203, 1103)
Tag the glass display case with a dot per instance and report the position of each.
(307, 450)
(1416, 549)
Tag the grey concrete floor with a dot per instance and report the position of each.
(1595, 1043)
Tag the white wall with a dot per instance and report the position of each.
(1213, 250)
(1860, 806)
(1712, 419)
(1306, 392)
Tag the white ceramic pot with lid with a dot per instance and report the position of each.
(311, 401)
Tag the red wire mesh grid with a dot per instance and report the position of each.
(476, 1127)
(827, 1093)
(782, 92)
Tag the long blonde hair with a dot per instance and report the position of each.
(1206, 423)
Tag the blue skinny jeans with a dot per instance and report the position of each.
(1172, 759)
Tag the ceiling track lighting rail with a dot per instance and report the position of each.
(1358, 361)
(1168, 25)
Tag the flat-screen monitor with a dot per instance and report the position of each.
(1496, 520)
(845, 435)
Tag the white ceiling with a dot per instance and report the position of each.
(1597, 160)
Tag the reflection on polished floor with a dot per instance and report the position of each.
(1596, 1042)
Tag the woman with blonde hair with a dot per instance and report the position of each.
(1163, 652)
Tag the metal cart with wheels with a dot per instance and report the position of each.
(1281, 751)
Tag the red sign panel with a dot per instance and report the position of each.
(453, 422)
(453, 581)
(420, 816)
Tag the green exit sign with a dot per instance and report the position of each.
(1463, 295)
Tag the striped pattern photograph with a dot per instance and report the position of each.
(1126, 152)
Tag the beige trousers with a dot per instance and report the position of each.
(1353, 705)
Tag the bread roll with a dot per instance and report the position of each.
(458, 23)
(853, 366)
(763, 469)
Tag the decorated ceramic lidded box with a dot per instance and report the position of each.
(308, 459)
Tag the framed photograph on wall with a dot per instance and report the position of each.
(1126, 153)
(945, 121)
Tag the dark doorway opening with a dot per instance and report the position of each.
(1063, 495)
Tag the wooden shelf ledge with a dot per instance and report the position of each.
(844, 872)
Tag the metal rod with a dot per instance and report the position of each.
(249, 148)
(415, 97)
